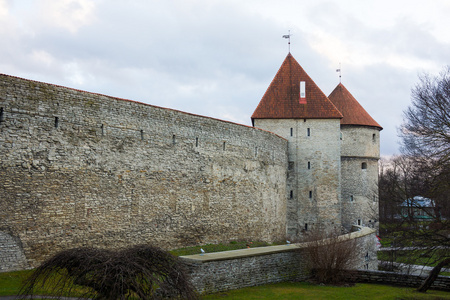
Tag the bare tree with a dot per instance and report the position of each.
(330, 256)
(143, 272)
(425, 137)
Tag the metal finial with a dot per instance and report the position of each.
(340, 74)
(288, 36)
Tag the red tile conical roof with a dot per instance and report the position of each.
(354, 113)
(282, 98)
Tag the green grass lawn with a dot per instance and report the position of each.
(302, 290)
(10, 282)
(10, 285)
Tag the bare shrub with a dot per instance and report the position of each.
(138, 272)
(330, 256)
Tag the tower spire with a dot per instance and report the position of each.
(288, 36)
(339, 71)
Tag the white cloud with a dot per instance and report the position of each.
(68, 14)
(217, 58)
(3, 9)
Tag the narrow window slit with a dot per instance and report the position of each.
(310, 194)
(309, 165)
(308, 132)
(103, 129)
(196, 142)
(1, 115)
(291, 194)
(173, 139)
(292, 131)
(142, 134)
(223, 147)
(56, 122)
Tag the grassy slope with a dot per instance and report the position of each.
(10, 284)
(301, 290)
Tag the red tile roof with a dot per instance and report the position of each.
(354, 113)
(281, 100)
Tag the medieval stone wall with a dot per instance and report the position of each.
(82, 169)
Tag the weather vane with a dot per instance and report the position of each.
(339, 71)
(288, 36)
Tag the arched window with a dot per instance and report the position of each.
(364, 165)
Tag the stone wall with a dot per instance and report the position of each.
(383, 277)
(11, 253)
(314, 190)
(82, 169)
(215, 272)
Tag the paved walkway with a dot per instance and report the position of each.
(409, 248)
(412, 269)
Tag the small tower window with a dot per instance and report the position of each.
(351, 197)
(103, 129)
(308, 131)
(292, 131)
(142, 134)
(1, 114)
(291, 194)
(340, 136)
(174, 139)
(56, 122)
(306, 226)
(310, 194)
(359, 222)
(309, 165)
(223, 146)
(196, 142)
(364, 165)
(374, 137)
(256, 151)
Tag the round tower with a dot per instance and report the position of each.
(360, 152)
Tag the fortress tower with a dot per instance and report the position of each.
(295, 108)
(360, 152)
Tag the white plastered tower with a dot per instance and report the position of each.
(297, 110)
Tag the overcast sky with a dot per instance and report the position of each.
(217, 58)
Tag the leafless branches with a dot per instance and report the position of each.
(330, 256)
(142, 272)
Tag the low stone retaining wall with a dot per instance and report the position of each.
(11, 254)
(220, 271)
(236, 269)
(392, 278)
